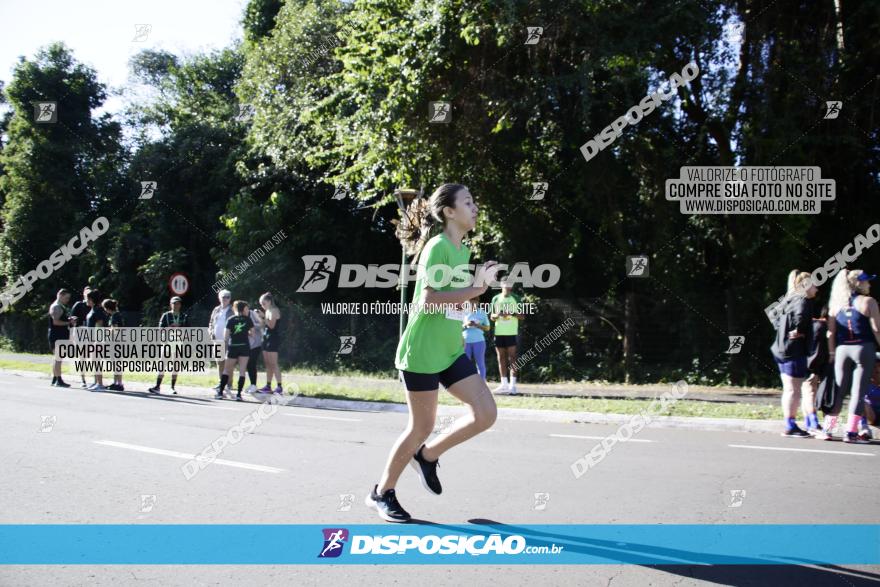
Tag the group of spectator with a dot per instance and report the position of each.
(506, 312)
(247, 334)
(833, 349)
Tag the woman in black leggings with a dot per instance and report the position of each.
(256, 343)
(853, 336)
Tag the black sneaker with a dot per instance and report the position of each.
(796, 433)
(218, 395)
(61, 383)
(387, 505)
(154, 389)
(238, 397)
(427, 471)
(854, 438)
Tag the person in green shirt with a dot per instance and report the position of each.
(506, 313)
(431, 350)
(173, 318)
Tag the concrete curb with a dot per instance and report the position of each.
(694, 423)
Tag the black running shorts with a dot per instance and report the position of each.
(503, 341)
(458, 370)
(233, 352)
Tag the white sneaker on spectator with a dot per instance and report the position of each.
(501, 390)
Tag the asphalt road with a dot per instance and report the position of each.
(76, 457)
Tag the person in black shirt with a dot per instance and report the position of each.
(239, 328)
(78, 314)
(96, 318)
(114, 320)
(59, 329)
(271, 341)
(174, 318)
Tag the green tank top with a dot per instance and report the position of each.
(432, 341)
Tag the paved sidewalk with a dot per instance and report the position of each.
(751, 395)
(203, 393)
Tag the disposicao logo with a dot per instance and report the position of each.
(334, 540)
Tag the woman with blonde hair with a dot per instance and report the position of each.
(853, 334)
(794, 332)
(271, 320)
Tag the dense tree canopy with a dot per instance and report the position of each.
(257, 138)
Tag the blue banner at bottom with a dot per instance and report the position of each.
(494, 544)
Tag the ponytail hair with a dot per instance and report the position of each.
(269, 298)
(423, 216)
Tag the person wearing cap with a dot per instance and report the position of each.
(174, 318)
(506, 316)
(853, 336)
(217, 325)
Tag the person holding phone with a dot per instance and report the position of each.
(476, 325)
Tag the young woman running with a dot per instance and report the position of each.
(271, 342)
(793, 342)
(238, 329)
(431, 350)
(852, 343)
(476, 325)
(114, 320)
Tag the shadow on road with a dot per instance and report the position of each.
(733, 570)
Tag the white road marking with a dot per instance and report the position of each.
(323, 417)
(830, 452)
(598, 438)
(187, 456)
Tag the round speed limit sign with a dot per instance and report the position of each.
(178, 284)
